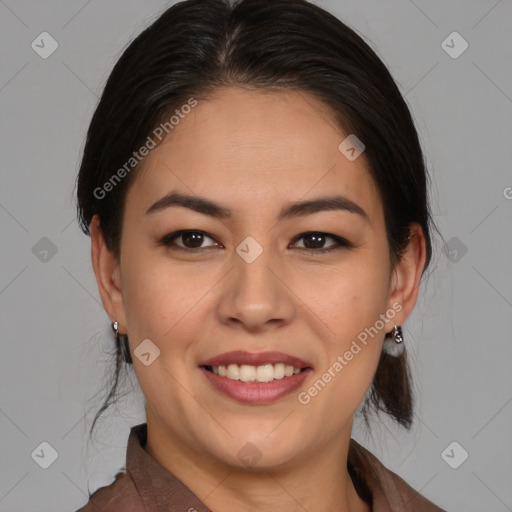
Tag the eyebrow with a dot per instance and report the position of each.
(297, 209)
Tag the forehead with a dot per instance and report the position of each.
(248, 148)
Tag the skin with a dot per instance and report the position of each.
(255, 153)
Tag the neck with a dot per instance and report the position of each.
(314, 482)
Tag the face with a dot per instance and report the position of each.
(253, 276)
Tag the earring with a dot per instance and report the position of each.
(394, 345)
(122, 341)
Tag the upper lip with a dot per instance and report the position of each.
(252, 359)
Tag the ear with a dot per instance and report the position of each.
(108, 276)
(406, 276)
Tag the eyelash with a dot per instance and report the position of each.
(168, 241)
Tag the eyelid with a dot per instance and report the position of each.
(340, 242)
(169, 238)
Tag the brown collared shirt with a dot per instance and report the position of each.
(147, 486)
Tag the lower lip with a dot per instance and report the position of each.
(256, 392)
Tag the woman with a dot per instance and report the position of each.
(256, 196)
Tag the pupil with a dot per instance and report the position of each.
(318, 243)
(193, 239)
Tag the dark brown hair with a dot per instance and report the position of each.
(198, 46)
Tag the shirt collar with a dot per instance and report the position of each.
(161, 491)
(158, 488)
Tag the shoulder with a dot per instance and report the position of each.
(120, 496)
(389, 491)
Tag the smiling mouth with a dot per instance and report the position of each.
(247, 373)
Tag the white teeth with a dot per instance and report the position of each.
(247, 373)
(233, 372)
(278, 371)
(263, 373)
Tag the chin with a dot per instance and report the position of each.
(255, 449)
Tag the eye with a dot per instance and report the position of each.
(191, 240)
(315, 239)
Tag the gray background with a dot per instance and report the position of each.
(55, 334)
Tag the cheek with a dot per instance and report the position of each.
(163, 300)
(350, 301)
(347, 298)
(351, 353)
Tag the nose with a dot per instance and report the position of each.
(256, 296)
